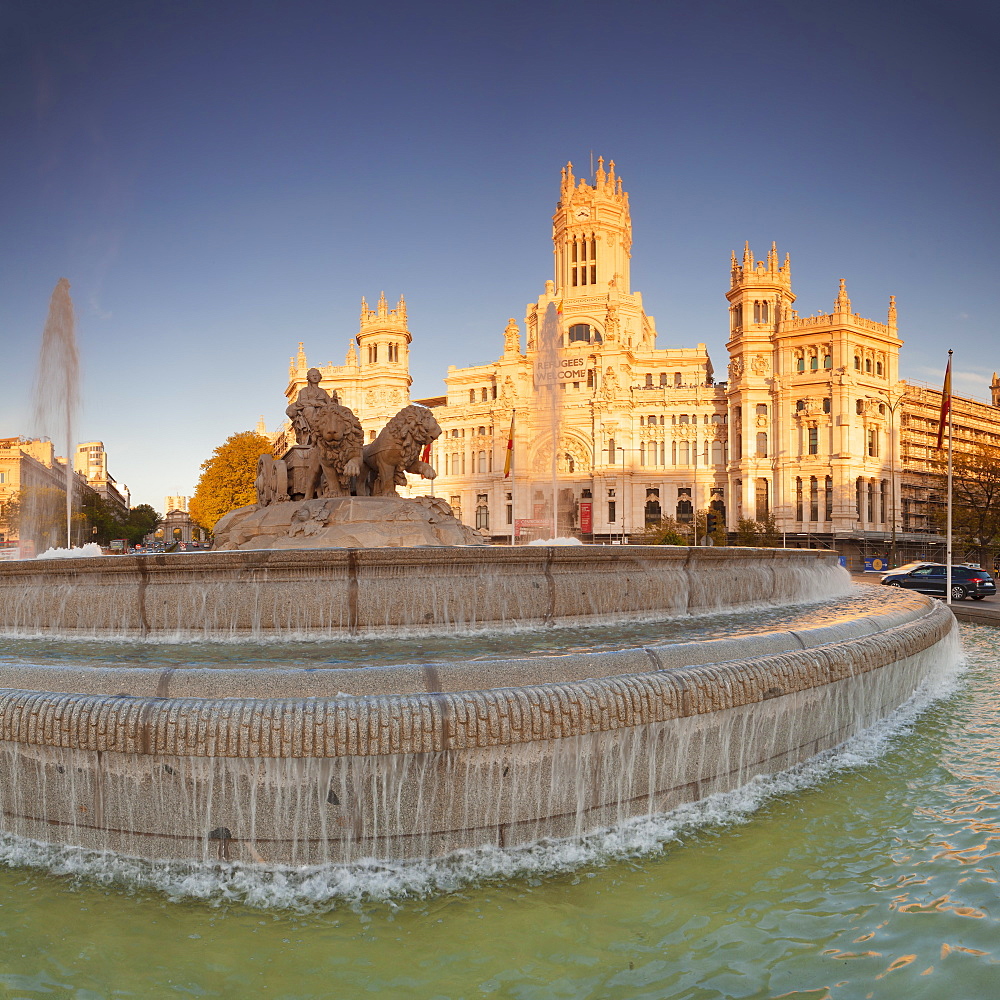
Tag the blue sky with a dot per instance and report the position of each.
(219, 181)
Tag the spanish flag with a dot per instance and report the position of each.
(510, 446)
(945, 403)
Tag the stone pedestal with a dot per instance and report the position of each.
(344, 522)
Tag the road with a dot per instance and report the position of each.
(984, 612)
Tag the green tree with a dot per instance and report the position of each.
(97, 513)
(10, 516)
(759, 533)
(142, 520)
(227, 478)
(666, 531)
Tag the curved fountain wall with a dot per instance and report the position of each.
(332, 591)
(335, 764)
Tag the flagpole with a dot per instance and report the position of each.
(948, 529)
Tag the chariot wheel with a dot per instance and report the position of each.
(262, 483)
(279, 480)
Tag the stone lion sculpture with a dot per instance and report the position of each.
(397, 450)
(336, 453)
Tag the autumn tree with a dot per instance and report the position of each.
(227, 478)
(975, 501)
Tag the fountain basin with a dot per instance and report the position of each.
(323, 592)
(292, 765)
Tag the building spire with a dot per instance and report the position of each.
(842, 306)
(892, 312)
(301, 357)
(747, 258)
(383, 308)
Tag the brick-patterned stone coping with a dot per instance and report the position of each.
(302, 766)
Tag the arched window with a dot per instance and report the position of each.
(878, 367)
(800, 405)
(813, 362)
(829, 498)
(798, 498)
(611, 451)
(827, 404)
(685, 512)
(827, 361)
(673, 452)
(642, 421)
(762, 502)
(800, 364)
(642, 452)
(472, 395)
(763, 312)
(685, 453)
(857, 363)
(677, 380)
(482, 514)
(653, 512)
(868, 366)
(762, 444)
(813, 498)
(580, 333)
(482, 461)
(649, 381)
(485, 395)
(684, 419)
(717, 453)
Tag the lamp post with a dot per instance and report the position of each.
(622, 521)
(892, 404)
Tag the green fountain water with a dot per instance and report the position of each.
(872, 872)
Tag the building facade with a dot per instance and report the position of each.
(91, 462)
(812, 432)
(33, 497)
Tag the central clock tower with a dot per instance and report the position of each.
(591, 234)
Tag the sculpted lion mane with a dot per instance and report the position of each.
(336, 453)
(397, 450)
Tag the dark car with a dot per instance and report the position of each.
(931, 578)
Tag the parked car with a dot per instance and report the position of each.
(931, 578)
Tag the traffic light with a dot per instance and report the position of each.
(712, 522)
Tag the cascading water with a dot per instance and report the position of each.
(56, 400)
(548, 408)
(249, 754)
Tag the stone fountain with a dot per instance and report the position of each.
(269, 762)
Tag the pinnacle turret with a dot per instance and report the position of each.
(842, 305)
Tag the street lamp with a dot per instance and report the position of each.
(892, 404)
(622, 515)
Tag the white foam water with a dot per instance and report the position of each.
(323, 887)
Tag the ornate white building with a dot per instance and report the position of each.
(802, 430)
